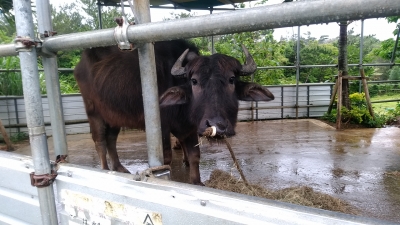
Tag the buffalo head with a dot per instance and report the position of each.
(213, 89)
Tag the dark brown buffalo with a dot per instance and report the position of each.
(196, 93)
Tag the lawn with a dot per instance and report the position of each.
(383, 107)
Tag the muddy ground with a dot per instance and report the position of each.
(360, 166)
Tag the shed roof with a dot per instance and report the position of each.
(183, 4)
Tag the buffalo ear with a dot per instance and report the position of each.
(253, 92)
(173, 96)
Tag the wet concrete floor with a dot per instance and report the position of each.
(360, 166)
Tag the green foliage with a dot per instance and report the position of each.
(10, 82)
(7, 20)
(359, 114)
(68, 84)
(358, 99)
(331, 117)
(82, 16)
(315, 53)
(264, 49)
(385, 50)
(395, 73)
(20, 136)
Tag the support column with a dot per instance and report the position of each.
(297, 71)
(149, 85)
(52, 82)
(34, 110)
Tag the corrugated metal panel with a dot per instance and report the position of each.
(190, 4)
(74, 109)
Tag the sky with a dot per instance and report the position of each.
(378, 27)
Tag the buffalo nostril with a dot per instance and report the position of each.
(208, 123)
(221, 126)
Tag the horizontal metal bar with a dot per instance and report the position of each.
(330, 65)
(69, 122)
(177, 7)
(282, 107)
(389, 100)
(383, 81)
(8, 50)
(258, 18)
(260, 68)
(39, 69)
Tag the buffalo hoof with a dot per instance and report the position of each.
(121, 169)
(199, 183)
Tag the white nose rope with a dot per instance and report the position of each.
(214, 131)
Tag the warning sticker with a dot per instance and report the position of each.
(96, 211)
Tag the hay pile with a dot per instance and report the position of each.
(297, 195)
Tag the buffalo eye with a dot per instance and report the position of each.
(232, 79)
(194, 82)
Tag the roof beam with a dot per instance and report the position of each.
(177, 4)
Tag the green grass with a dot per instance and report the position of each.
(384, 106)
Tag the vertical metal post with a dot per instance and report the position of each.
(308, 101)
(282, 96)
(99, 11)
(212, 37)
(395, 45)
(34, 110)
(361, 53)
(252, 102)
(16, 114)
(150, 89)
(297, 71)
(52, 82)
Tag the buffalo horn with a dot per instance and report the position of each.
(177, 69)
(249, 66)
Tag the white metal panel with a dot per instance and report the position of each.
(93, 196)
(19, 200)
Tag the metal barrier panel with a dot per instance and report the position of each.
(12, 112)
(92, 196)
(19, 200)
(12, 108)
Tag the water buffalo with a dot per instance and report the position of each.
(196, 92)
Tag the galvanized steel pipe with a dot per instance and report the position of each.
(297, 70)
(34, 110)
(148, 78)
(258, 18)
(52, 82)
(8, 50)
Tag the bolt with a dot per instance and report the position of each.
(119, 21)
(203, 203)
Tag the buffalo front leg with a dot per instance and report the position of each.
(190, 145)
(97, 128)
(167, 151)
(111, 139)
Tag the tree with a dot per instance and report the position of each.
(264, 49)
(7, 21)
(342, 63)
(203, 43)
(315, 53)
